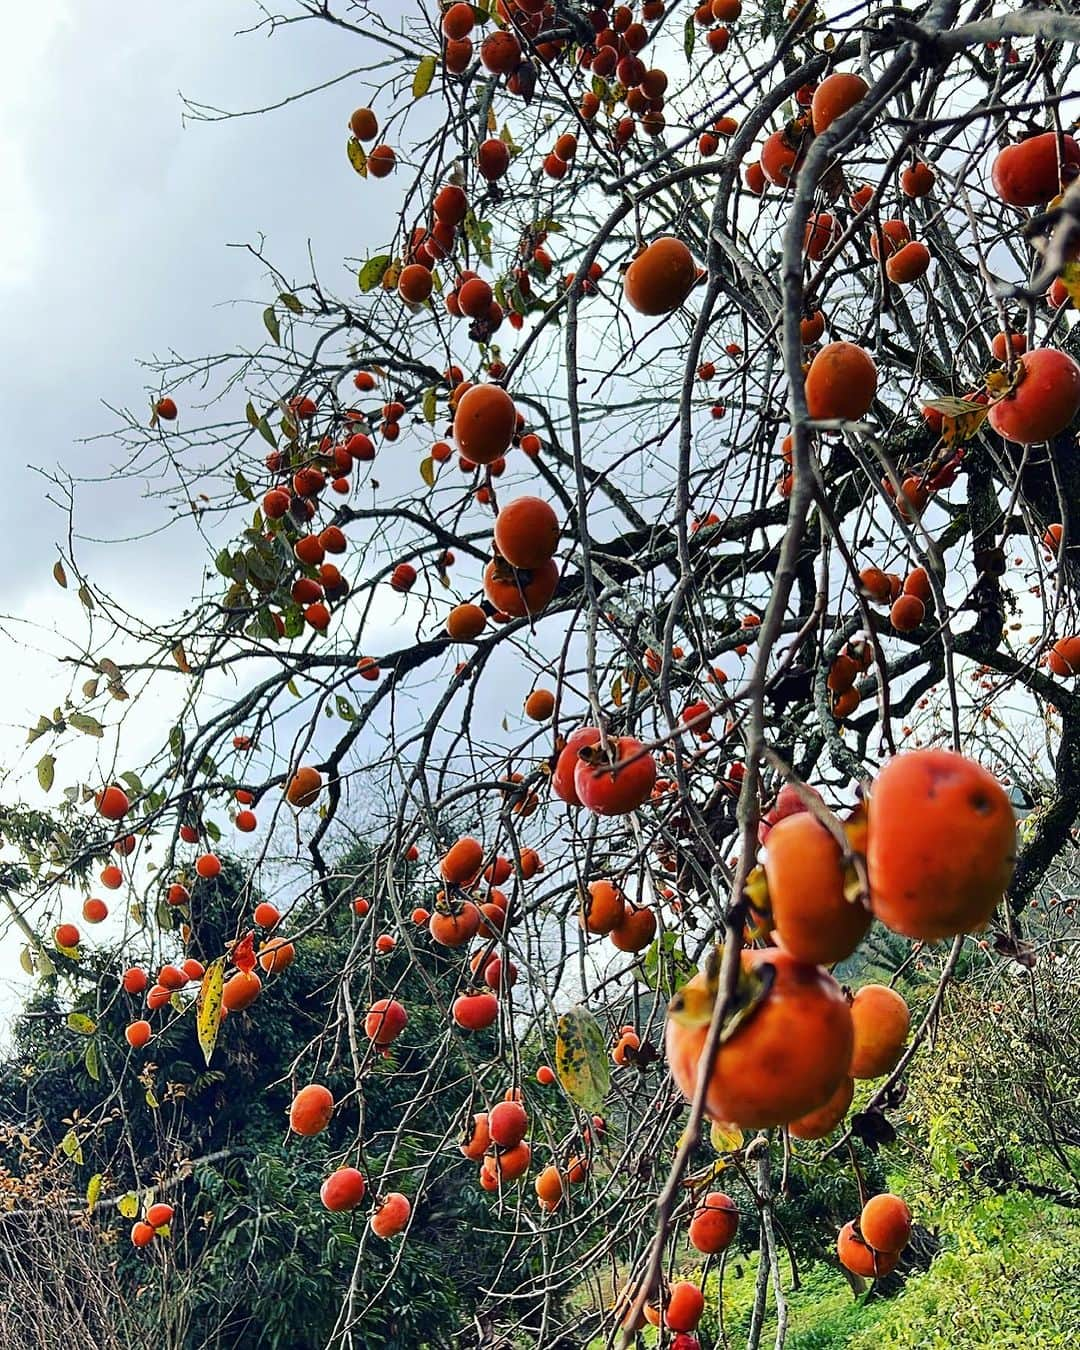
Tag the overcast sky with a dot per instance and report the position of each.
(114, 224)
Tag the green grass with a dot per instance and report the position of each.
(1008, 1278)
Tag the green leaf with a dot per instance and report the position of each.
(291, 687)
(128, 1205)
(44, 724)
(427, 471)
(91, 1061)
(26, 960)
(151, 1101)
(86, 598)
(291, 303)
(243, 487)
(59, 574)
(93, 1191)
(251, 415)
(271, 324)
(373, 271)
(46, 968)
(429, 406)
(213, 831)
(176, 741)
(688, 37)
(70, 1147)
(208, 1006)
(79, 1022)
(581, 1060)
(266, 431)
(83, 722)
(665, 965)
(425, 73)
(357, 157)
(133, 781)
(46, 772)
(345, 709)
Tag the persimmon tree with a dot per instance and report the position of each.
(700, 436)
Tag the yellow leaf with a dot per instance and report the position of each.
(128, 1205)
(357, 158)
(427, 471)
(93, 1191)
(725, 1138)
(1070, 279)
(425, 73)
(960, 418)
(208, 1006)
(581, 1060)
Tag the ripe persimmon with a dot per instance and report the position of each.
(811, 917)
(385, 1021)
(507, 1123)
(1044, 402)
(304, 786)
(520, 594)
(549, 1187)
(137, 1034)
(785, 1059)
(465, 623)
(343, 1189)
(1063, 658)
(141, 1234)
(526, 532)
(134, 980)
(461, 864)
(817, 1124)
(941, 844)
(67, 935)
(364, 125)
(485, 420)
(475, 1012)
(392, 1215)
(881, 1020)
(885, 1223)
(602, 907)
(908, 263)
(311, 1109)
(241, 990)
(94, 910)
(276, 955)
(907, 613)
(841, 382)
(1034, 170)
(453, 927)
(635, 930)
(618, 785)
(860, 1258)
(660, 277)
(112, 803)
(685, 1304)
(917, 180)
(562, 778)
(539, 705)
(715, 1222)
(381, 162)
(834, 96)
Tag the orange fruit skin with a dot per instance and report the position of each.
(461, 864)
(562, 779)
(241, 991)
(276, 955)
(540, 705)
(660, 278)
(860, 1258)
(941, 844)
(526, 595)
(908, 264)
(885, 1223)
(385, 1021)
(392, 1215)
(1029, 173)
(817, 1124)
(364, 125)
(614, 793)
(141, 1234)
(603, 909)
(484, 423)
(527, 532)
(304, 787)
(635, 930)
(714, 1223)
(841, 382)
(137, 1034)
(1044, 403)
(788, 1057)
(465, 622)
(805, 871)
(881, 1020)
(343, 1189)
(1063, 658)
(311, 1110)
(834, 96)
(685, 1305)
